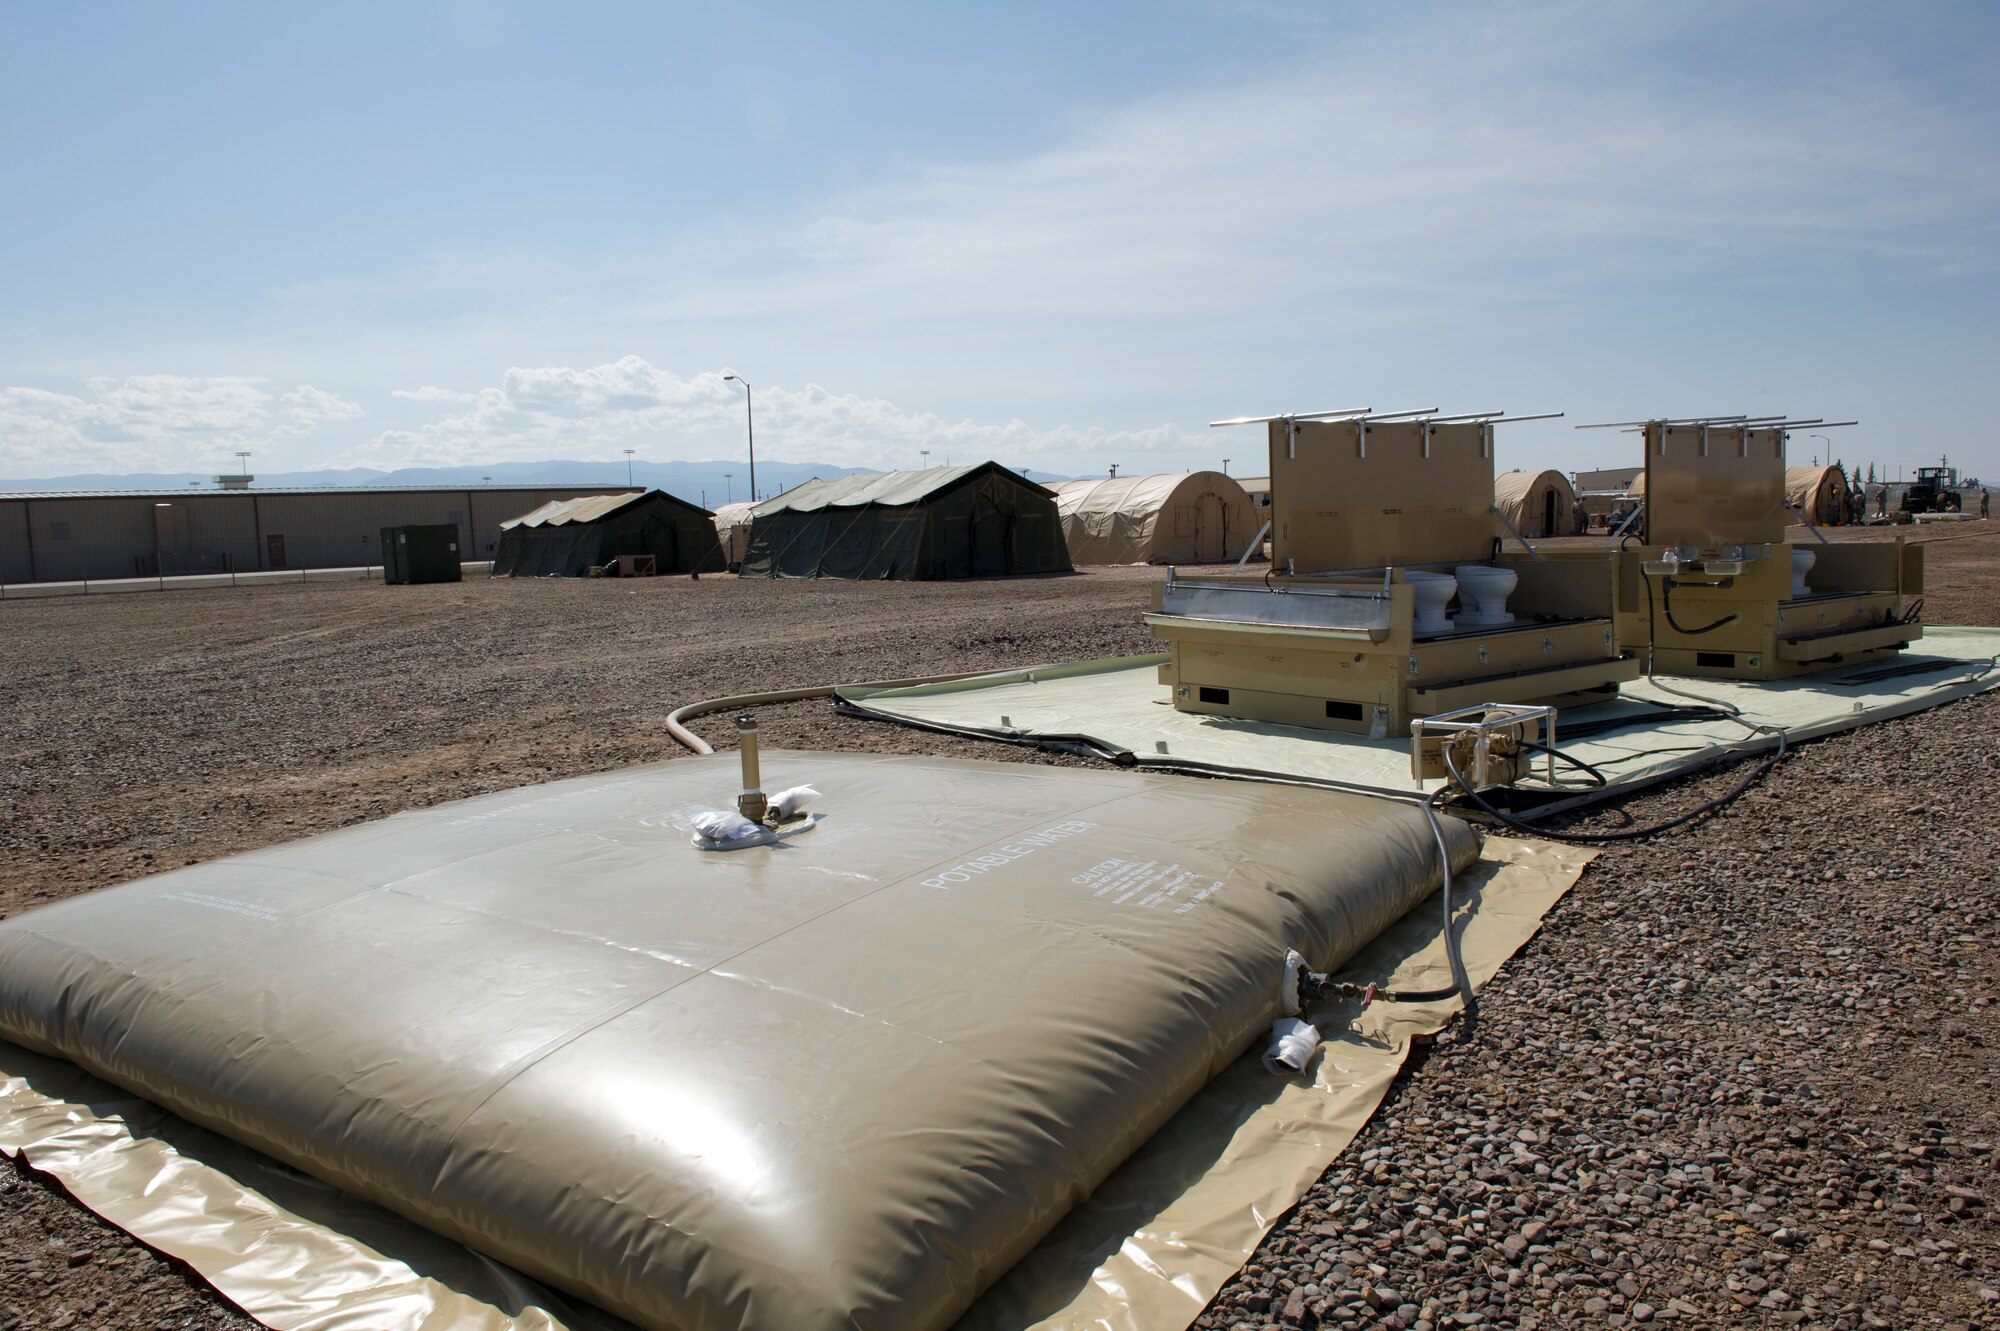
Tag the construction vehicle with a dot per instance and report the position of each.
(1934, 491)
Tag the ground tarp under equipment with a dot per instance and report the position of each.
(566, 538)
(846, 1080)
(1119, 709)
(980, 521)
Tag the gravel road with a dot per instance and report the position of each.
(1743, 1076)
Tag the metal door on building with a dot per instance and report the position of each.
(1211, 531)
(274, 551)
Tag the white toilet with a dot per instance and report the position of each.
(1434, 591)
(1802, 561)
(1483, 591)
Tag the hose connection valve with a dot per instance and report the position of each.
(759, 819)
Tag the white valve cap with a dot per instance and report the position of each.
(1292, 1045)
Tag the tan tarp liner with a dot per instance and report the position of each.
(844, 1081)
(732, 527)
(1538, 503)
(1821, 493)
(1145, 1253)
(1196, 517)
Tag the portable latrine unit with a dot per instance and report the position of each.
(569, 538)
(420, 554)
(1196, 517)
(1716, 590)
(946, 522)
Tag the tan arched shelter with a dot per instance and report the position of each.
(1538, 503)
(1821, 493)
(1195, 517)
(732, 528)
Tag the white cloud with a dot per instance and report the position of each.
(307, 408)
(430, 393)
(1362, 181)
(558, 411)
(159, 406)
(155, 422)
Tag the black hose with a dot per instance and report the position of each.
(1667, 600)
(1716, 805)
(1596, 777)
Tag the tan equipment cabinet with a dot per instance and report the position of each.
(1329, 638)
(1710, 592)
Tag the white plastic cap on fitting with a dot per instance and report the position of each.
(717, 825)
(787, 804)
(1292, 1045)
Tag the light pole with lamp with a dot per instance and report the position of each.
(729, 487)
(245, 459)
(750, 429)
(1225, 466)
(925, 454)
(628, 465)
(1824, 440)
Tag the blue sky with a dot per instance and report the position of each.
(1061, 236)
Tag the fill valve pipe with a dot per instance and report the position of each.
(751, 803)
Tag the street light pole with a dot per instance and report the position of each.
(1824, 440)
(925, 454)
(628, 466)
(728, 487)
(750, 428)
(246, 462)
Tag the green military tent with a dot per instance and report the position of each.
(944, 522)
(566, 538)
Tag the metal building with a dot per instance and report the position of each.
(72, 535)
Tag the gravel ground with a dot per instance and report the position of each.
(1741, 1078)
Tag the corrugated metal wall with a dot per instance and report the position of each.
(14, 563)
(71, 538)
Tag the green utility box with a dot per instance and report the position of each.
(420, 554)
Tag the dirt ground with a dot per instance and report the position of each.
(1744, 1076)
